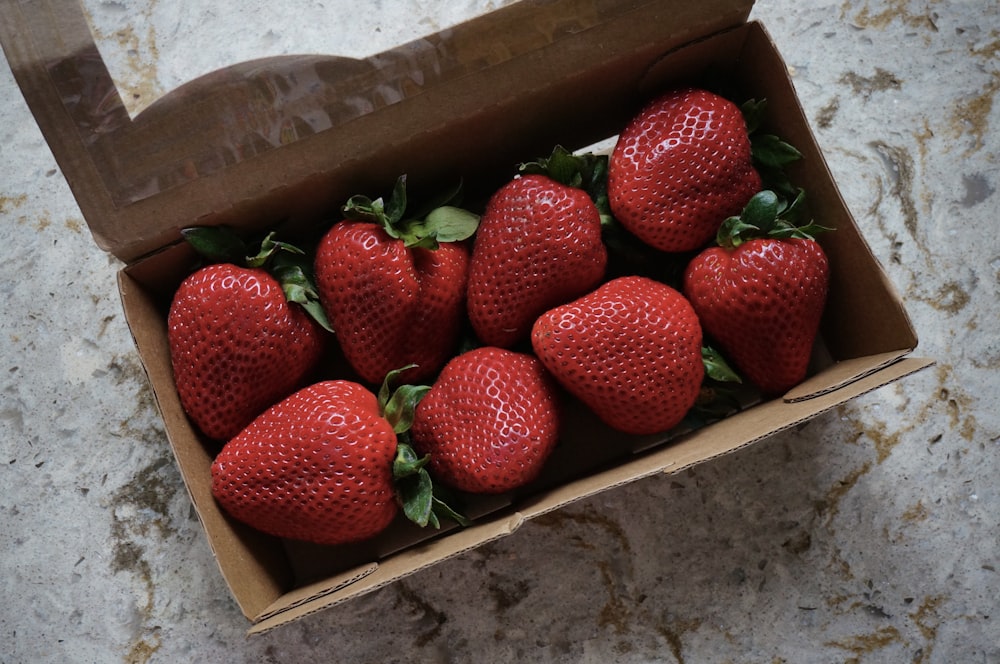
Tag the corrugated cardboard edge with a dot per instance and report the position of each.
(300, 596)
(723, 438)
(842, 373)
(393, 569)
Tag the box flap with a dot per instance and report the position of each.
(183, 160)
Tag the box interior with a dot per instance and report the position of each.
(500, 90)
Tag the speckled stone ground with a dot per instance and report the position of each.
(871, 534)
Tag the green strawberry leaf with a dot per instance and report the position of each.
(417, 497)
(796, 209)
(218, 244)
(753, 113)
(769, 150)
(761, 211)
(452, 224)
(395, 207)
(561, 166)
(407, 462)
(398, 404)
(585, 171)
(299, 287)
(399, 410)
(270, 248)
(770, 153)
(385, 213)
(717, 368)
(414, 488)
(361, 208)
(385, 390)
(423, 502)
(442, 223)
(767, 215)
(441, 508)
(734, 231)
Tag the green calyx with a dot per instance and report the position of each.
(767, 215)
(440, 221)
(422, 501)
(770, 153)
(285, 262)
(716, 367)
(585, 171)
(718, 396)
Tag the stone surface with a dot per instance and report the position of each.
(871, 534)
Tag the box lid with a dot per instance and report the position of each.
(186, 158)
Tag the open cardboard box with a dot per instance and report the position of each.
(284, 141)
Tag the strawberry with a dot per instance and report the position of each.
(489, 422)
(761, 293)
(630, 350)
(538, 245)
(679, 168)
(325, 465)
(240, 338)
(394, 286)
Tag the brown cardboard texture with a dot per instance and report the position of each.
(283, 142)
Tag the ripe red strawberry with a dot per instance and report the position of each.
(630, 350)
(761, 294)
(538, 245)
(394, 293)
(237, 345)
(680, 167)
(324, 465)
(316, 467)
(489, 422)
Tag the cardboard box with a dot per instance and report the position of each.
(284, 141)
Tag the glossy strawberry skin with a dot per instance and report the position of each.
(762, 302)
(538, 245)
(391, 305)
(679, 168)
(489, 422)
(630, 350)
(316, 467)
(237, 346)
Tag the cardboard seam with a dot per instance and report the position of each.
(889, 361)
(354, 578)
